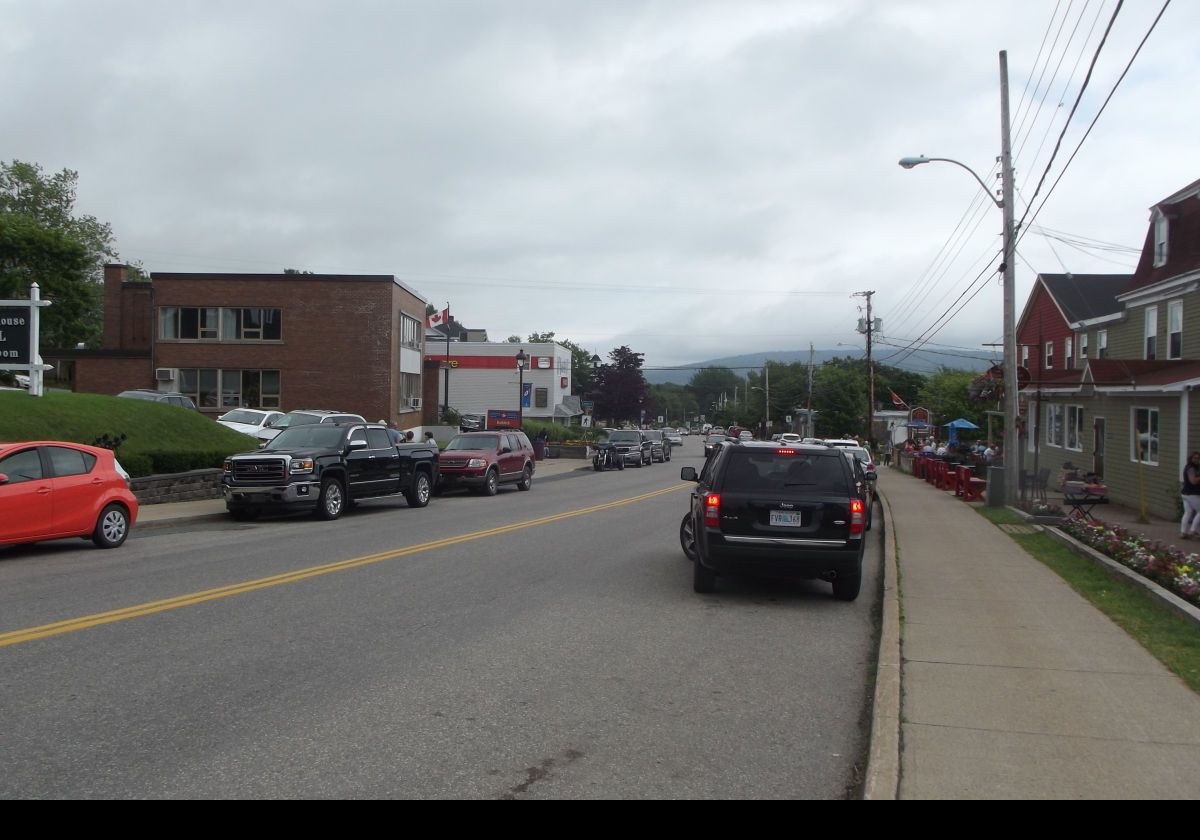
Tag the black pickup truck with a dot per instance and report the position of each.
(326, 468)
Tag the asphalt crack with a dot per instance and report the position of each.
(537, 773)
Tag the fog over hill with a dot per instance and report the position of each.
(922, 361)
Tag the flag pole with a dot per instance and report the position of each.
(446, 399)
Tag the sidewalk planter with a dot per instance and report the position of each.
(560, 450)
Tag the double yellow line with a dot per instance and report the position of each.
(58, 628)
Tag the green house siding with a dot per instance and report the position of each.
(1128, 480)
(1126, 338)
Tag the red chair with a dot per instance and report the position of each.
(952, 481)
(964, 478)
(918, 466)
(974, 490)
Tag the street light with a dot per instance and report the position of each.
(521, 360)
(1012, 445)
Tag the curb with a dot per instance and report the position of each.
(883, 759)
(180, 520)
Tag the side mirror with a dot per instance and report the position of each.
(689, 474)
(355, 445)
(506, 450)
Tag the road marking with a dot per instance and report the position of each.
(58, 628)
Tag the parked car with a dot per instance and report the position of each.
(790, 437)
(471, 422)
(306, 417)
(863, 456)
(249, 421)
(632, 445)
(167, 397)
(660, 447)
(325, 468)
(765, 509)
(52, 490)
(482, 461)
(674, 437)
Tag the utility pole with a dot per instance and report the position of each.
(1011, 443)
(808, 423)
(869, 329)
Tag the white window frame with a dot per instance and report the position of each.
(1025, 356)
(1055, 425)
(1083, 346)
(1150, 333)
(1161, 230)
(1175, 328)
(1153, 429)
(1073, 428)
(1049, 360)
(1069, 353)
(224, 324)
(1102, 344)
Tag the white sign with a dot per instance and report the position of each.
(587, 421)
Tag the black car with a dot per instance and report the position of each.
(660, 447)
(790, 511)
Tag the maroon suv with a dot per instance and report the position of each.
(483, 461)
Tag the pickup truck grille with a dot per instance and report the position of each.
(250, 470)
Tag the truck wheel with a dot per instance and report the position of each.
(112, 527)
(641, 461)
(490, 484)
(526, 478)
(418, 495)
(846, 588)
(596, 463)
(331, 501)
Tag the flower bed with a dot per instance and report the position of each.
(1169, 568)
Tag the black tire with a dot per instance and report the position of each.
(641, 461)
(667, 454)
(418, 494)
(687, 537)
(244, 514)
(526, 478)
(704, 579)
(847, 588)
(597, 464)
(491, 483)
(112, 527)
(332, 500)
(620, 462)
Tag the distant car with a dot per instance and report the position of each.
(660, 447)
(248, 420)
(632, 445)
(304, 417)
(790, 437)
(745, 434)
(674, 437)
(471, 422)
(712, 442)
(167, 397)
(52, 490)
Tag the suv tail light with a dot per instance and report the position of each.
(712, 510)
(858, 516)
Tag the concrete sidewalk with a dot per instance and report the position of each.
(1013, 685)
(181, 513)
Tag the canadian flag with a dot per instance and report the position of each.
(896, 401)
(437, 318)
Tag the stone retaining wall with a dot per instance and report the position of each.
(179, 487)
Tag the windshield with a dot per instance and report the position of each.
(251, 418)
(714, 438)
(289, 420)
(625, 437)
(473, 442)
(653, 435)
(310, 436)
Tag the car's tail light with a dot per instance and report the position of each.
(858, 516)
(712, 510)
(785, 451)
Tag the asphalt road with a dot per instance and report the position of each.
(533, 645)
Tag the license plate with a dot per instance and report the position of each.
(786, 519)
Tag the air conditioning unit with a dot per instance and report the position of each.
(164, 374)
(414, 402)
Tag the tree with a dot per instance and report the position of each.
(710, 385)
(945, 395)
(621, 386)
(513, 339)
(42, 241)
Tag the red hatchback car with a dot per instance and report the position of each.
(51, 490)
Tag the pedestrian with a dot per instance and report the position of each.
(1189, 526)
(393, 432)
(408, 436)
(429, 439)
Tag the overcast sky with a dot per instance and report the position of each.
(691, 179)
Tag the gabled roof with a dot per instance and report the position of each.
(1082, 297)
(1148, 374)
(1182, 210)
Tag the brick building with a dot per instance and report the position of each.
(346, 342)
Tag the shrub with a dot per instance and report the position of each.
(137, 466)
(168, 461)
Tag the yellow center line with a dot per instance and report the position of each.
(58, 628)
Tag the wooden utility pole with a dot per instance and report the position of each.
(808, 423)
(869, 330)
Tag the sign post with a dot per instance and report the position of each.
(19, 337)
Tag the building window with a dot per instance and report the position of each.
(1175, 329)
(1160, 238)
(1075, 427)
(1025, 356)
(411, 331)
(1054, 425)
(1151, 333)
(211, 323)
(410, 389)
(1049, 355)
(216, 389)
(1083, 346)
(541, 397)
(1145, 435)
(1069, 353)
(1102, 344)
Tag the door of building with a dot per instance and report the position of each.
(1098, 446)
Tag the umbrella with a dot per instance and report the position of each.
(955, 425)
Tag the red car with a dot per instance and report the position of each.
(482, 461)
(51, 490)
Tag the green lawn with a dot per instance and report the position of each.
(1172, 639)
(159, 438)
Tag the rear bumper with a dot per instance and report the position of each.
(781, 557)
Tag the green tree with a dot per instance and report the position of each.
(582, 374)
(711, 387)
(945, 395)
(621, 387)
(43, 241)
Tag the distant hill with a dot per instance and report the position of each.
(922, 361)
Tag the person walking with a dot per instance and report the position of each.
(1189, 526)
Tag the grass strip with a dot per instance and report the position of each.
(1171, 639)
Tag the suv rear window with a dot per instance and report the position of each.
(762, 469)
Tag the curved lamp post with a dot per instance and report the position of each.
(521, 360)
(1012, 445)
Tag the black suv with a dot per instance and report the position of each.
(790, 511)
